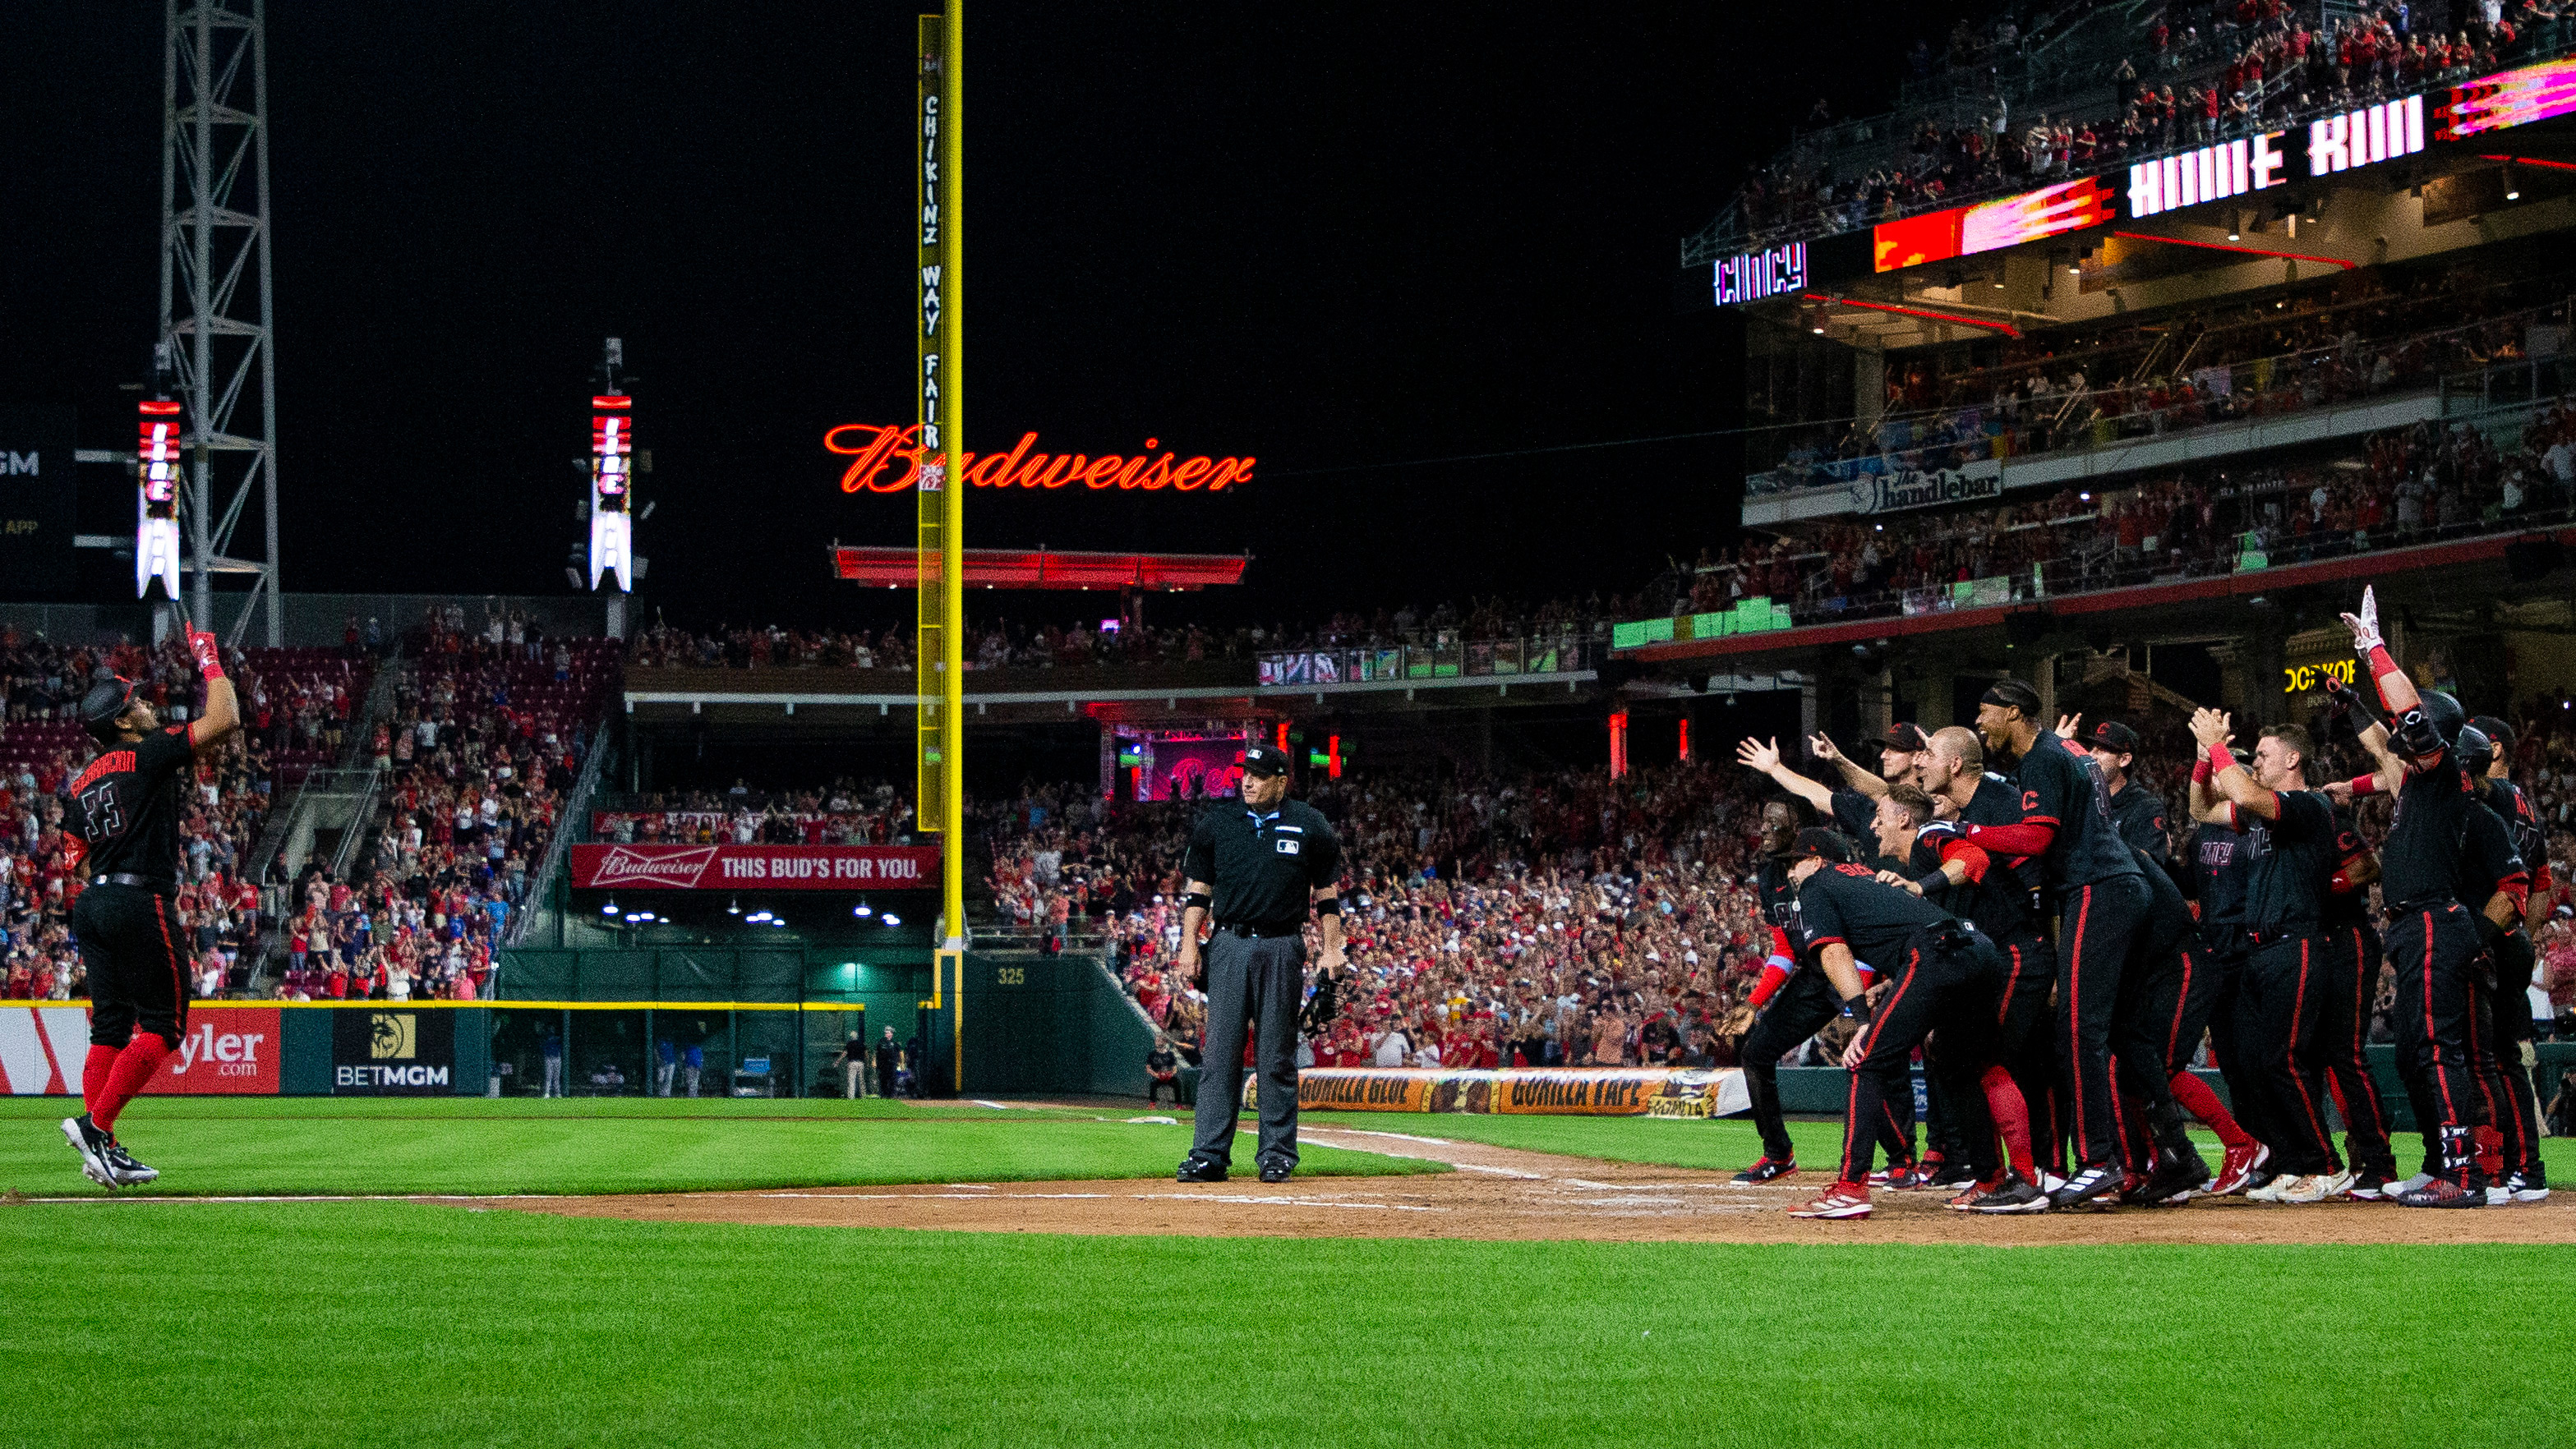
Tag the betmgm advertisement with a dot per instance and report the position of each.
(395, 1052)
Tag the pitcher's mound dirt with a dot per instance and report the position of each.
(1499, 1193)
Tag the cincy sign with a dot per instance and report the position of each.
(874, 449)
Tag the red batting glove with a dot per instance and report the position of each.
(210, 659)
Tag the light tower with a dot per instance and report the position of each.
(220, 340)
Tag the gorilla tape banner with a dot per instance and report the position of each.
(1577, 1091)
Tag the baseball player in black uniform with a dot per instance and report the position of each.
(2008, 912)
(2291, 835)
(1940, 975)
(1795, 1004)
(1259, 867)
(125, 812)
(2215, 869)
(1941, 866)
(2436, 854)
(2517, 1112)
(2101, 904)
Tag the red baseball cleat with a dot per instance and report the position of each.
(1842, 1200)
(2239, 1169)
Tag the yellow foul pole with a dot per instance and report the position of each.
(952, 571)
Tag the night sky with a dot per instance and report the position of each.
(1327, 235)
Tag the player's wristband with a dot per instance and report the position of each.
(1938, 880)
(1857, 1008)
(2200, 771)
(1197, 900)
(2366, 784)
(1329, 906)
(2220, 761)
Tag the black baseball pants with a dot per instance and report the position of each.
(2096, 924)
(130, 943)
(2352, 956)
(2277, 1011)
(1251, 984)
(2027, 1044)
(1948, 982)
(2003, 1009)
(2435, 956)
(1800, 1009)
(2153, 984)
(2517, 1112)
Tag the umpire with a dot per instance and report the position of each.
(1269, 860)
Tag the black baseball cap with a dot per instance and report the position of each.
(2114, 736)
(1264, 760)
(105, 704)
(1827, 845)
(1906, 737)
(2494, 729)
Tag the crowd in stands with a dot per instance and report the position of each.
(1560, 919)
(1017, 644)
(846, 812)
(2410, 485)
(2193, 73)
(2356, 337)
(484, 738)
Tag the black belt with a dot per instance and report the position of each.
(139, 882)
(2423, 903)
(2273, 936)
(1248, 931)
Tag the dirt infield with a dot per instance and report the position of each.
(1499, 1193)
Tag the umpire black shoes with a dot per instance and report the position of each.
(2099, 1185)
(93, 1146)
(1275, 1171)
(1201, 1169)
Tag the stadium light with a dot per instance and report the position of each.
(736, 908)
(611, 908)
(862, 908)
(891, 919)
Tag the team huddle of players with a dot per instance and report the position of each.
(2005, 900)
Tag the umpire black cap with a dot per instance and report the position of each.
(105, 704)
(1264, 760)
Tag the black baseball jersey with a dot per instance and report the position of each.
(2487, 859)
(2521, 822)
(2420, 861)
(2138, 813)
(2341, 909)
(2217, 872)
(2292, 857)
(1779, 897)
(1262, 867)
(1997, 801)
(1998, 905)
(1846, 903)
(2169, 922)
(126, 805)
(2061, 786)
(1856, 815)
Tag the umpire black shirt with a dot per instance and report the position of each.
(1263, 867)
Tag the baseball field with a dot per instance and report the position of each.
(741, 1273)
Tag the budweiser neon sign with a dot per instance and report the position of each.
(874, 450)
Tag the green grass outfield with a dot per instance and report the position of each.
(1723, 1145)
(474, 1145)
(198, 1324)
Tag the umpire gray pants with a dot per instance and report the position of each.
(1261, 982)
